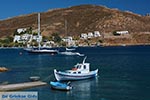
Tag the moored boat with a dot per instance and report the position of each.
(70, 52)
(79, 72)
(40, 50)
(61, 86)
(34, 78)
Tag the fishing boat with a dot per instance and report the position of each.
(61, 86)
(78, 72)
(40, 50)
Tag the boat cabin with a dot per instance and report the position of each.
(80, 68)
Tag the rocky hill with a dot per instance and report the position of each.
(80, 19)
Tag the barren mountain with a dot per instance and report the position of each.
(80, 19)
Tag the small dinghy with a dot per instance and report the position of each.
(61, 86)
(34, 78)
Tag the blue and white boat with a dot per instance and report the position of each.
(61, 86)
(79, 72)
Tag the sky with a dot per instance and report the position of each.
(12, 8)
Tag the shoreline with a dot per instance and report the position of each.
(103, 45)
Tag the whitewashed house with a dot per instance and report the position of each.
(26, 37)
(17, 38)
(37, 38)
(97, 34)
(21, 30)
(90, 35)
(48, 44)
(84, 36)
(122, 32)
(69, 40)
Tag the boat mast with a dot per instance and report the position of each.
(84, 60)
(39, 40)
(66, 32)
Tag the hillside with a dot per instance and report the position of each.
(80, 19)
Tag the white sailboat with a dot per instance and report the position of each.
(40, 49)
(69, 51)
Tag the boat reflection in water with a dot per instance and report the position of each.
(82, 90)
(85, 88)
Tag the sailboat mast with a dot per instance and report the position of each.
(66, 32)
(38, 24)
(39, 40)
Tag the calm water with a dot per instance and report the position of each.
(124, 72)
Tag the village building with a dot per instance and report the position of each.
(21, 30)
(26, 38)
(17, 38)
(97, 34)
(84, 36)
(69, 40)
(90, 35)
(122, 32)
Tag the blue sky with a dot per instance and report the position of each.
(12, 8)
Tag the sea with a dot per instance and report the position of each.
(124, 72)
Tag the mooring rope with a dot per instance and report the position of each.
(48, 77)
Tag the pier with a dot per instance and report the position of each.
(21, 86)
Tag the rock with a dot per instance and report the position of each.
(3, 69)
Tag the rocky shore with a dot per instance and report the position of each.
(3, 69)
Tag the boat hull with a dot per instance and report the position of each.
(60, 86)
(71, 53)
(62, 76)
(42, 51)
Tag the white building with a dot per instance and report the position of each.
(122, 32)
(26, 37)
(69, 40)
(84, 36)
(21, 30)
(97, 34)
(90, 35)
(17, 38)
(48, 44)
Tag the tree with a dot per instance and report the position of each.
(29, 31)
(56, 38)
(15, 32)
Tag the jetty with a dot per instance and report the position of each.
(21, 86)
